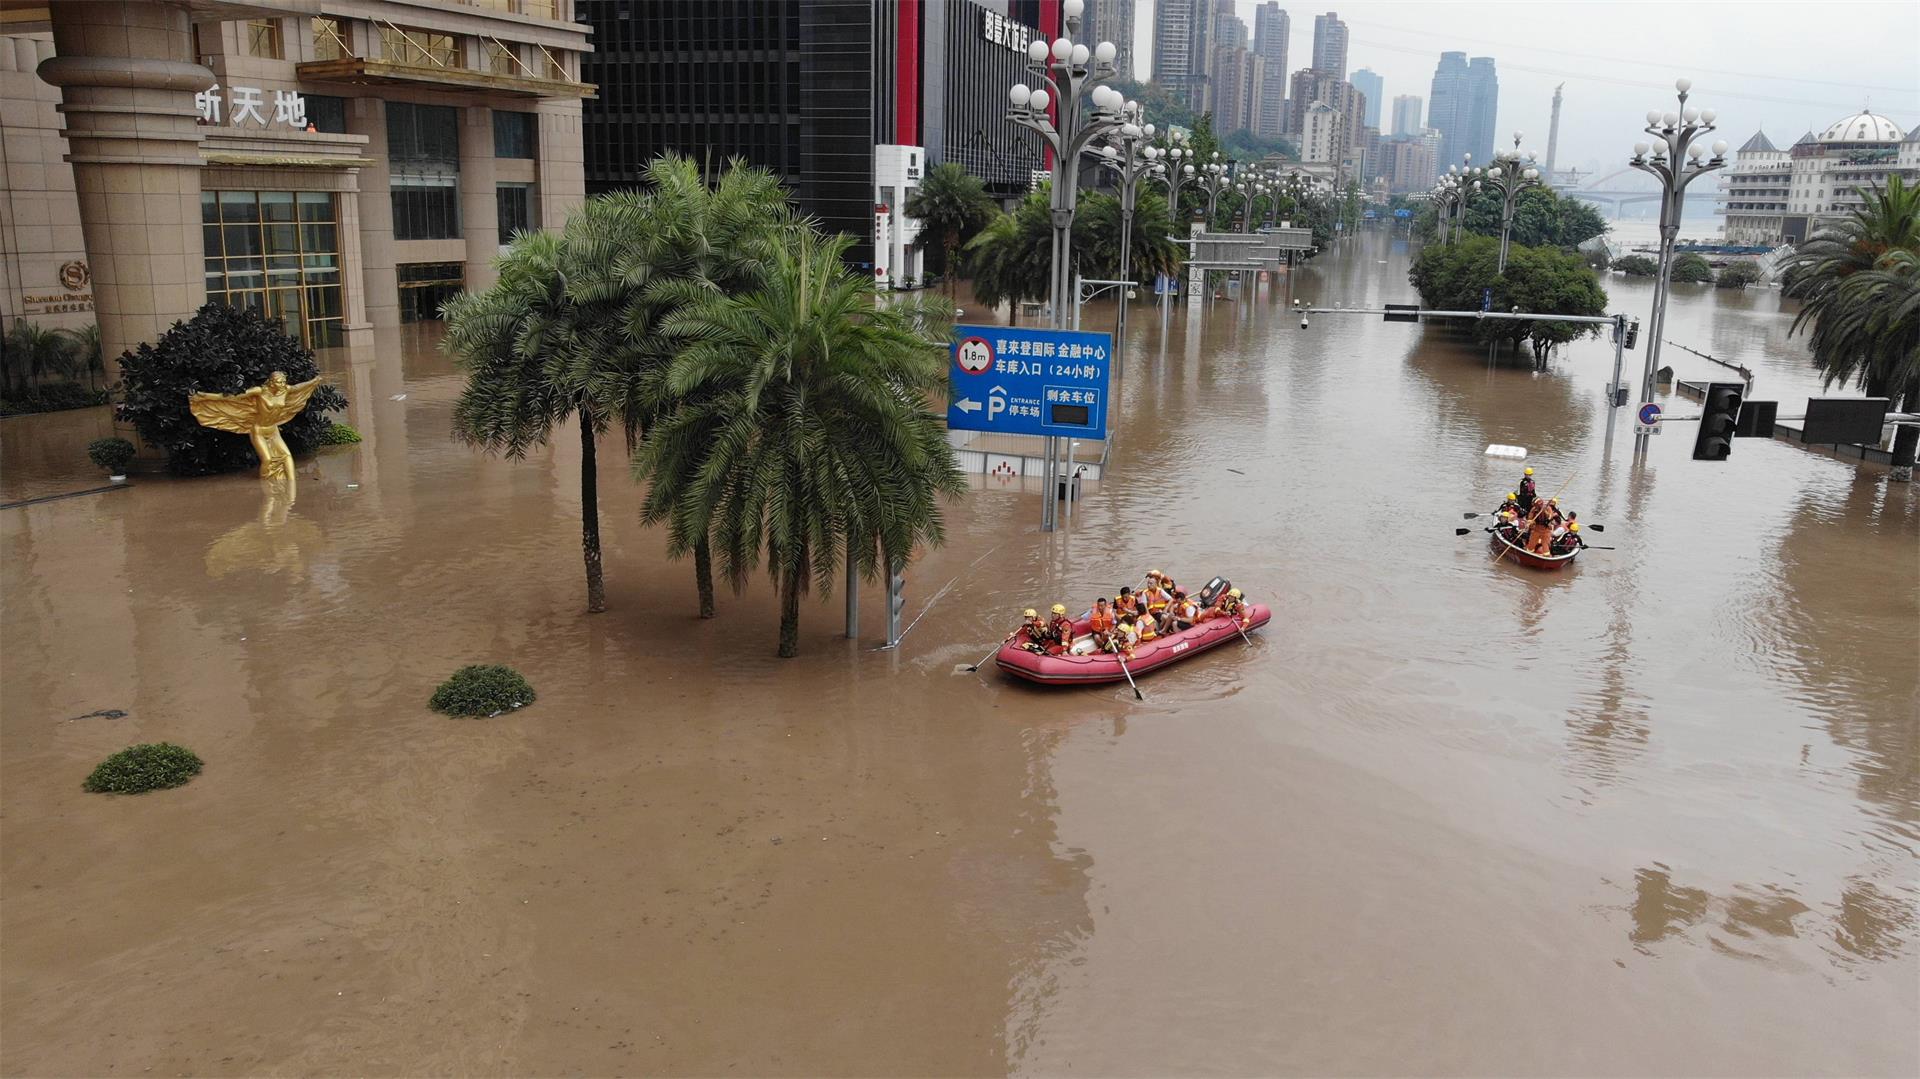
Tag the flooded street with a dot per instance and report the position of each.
(1657, 814)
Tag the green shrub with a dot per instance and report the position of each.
(149, 767)
(1636, 266)
(111, 454)
(1738, 275)
(51, 397)
(219, 350)
(483, 689)
(1691, 269)
(340, 434)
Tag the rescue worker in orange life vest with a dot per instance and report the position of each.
(1061, 627)
(1101, 624)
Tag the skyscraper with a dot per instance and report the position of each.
(1234, 73)
(1368, 83)
(1482, 108)
(1112, 20)
(1229, 31)
(1446, 107)
(1406, 115)
(1330, 44)
(1270, 31)
(1183, 49)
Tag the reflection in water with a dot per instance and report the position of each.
(1866, 922)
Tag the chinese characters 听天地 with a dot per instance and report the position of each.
(244, 102)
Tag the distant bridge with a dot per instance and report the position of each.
(1613, 198)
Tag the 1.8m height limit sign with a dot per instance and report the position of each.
(1017, 381)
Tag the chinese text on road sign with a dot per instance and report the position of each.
(1017, 381)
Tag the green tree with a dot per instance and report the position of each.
(803, 428)
(1636, 265)
(31, 354)
(1690, 268)
(1455, 276)
(1096, 237)
(529, 348)
(1862, 332)
(1738, 275)
(1541, 218)
(1011, 259)
(954, 205)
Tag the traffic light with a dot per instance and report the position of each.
(1633, 333)
(896, 602)
(1719, 415)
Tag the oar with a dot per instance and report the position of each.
(1123, 670)
(990, 655)
(1591, 547)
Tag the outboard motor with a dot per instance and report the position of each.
(1215, 588)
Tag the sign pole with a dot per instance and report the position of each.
(1613, 387)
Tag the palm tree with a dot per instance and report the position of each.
(1858, 335)
(532, 354)
(954, 204)
(1011, 257)
(802, 428)
(33, 353)
(1096, 237)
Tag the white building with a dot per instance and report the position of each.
(898, 255)
(1771, 196)
(1322, 138)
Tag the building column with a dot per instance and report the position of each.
(379, 283)
(479, 210)
(127, 78)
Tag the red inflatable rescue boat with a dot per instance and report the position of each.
(1519, 555)
(1086, 667)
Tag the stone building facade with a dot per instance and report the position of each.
(341, 165)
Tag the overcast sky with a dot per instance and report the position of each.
(1763, 64)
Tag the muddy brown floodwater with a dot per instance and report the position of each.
(1655, 815)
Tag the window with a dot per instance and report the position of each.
(555, 68)
(423, 137)
(278, 253)
(501, 59)
(424, 286)
(328, 114)
(419, 48)
(513, 134)
(330, 39)
(515, 208)
(425, 211)
(263, 38)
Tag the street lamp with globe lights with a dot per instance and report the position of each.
(1512, 172)
(1070, 73)
(1130, 155)
(1214, 178)
(1673, 136)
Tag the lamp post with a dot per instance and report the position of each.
(1511, 173)
(1132, 160)
(1073, 72)
(1466, 179)
(1446, 192)
(1214, 179)
(1673, 134)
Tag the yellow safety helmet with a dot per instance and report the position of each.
(1059, 608)
(1155, 573)
(1234, 592)
(1574, 527)
(1029, 613)
(1511, 496)
(1529, 472)
(1553, 502)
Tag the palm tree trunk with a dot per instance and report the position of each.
(789, 615)
(703, 575)
(590, 514)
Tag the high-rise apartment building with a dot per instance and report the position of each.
(1369, 83)
(1112, 20)
(1446, 106)
(1482, 108)
(1270, 32)
(1183, 49)
(1229, 30)
(1348, 104)
(1330, 44)
(1236, 77)
(1406, 115)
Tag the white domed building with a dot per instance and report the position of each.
(1829, 169)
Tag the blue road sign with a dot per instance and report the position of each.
(1486, 299)
(1649, 414)
(1403, 212)
(1017, 381)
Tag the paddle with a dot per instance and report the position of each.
(990, 655)
(1591, 547)
(1123, 670)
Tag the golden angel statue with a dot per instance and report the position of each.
(258, 414)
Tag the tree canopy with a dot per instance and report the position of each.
(1541, 218)
(1545, 279)
(1860, 280)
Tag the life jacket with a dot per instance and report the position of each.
(1100, 621)
(1062, 630)
(1156, 599)
(1127, 604)
(1146, 630)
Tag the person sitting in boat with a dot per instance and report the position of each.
(1061, 627)
(1126, 634)
(1126, 602)
(1100, 623)
(1038, 635)
(1569, 541)
(1182, 613)
(1145, 629)
(1526, 491)
(1539, 533)
(1155, 596)
(1229, 605)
